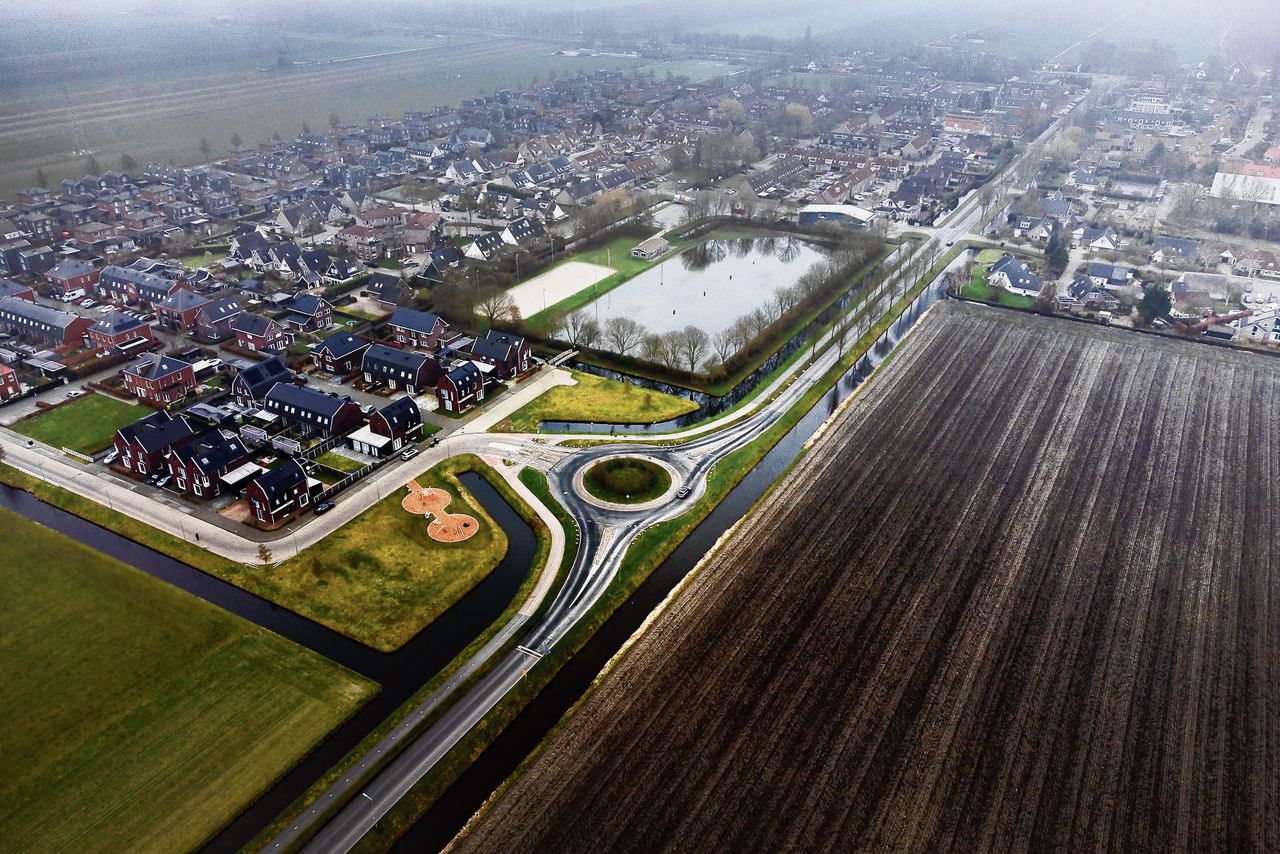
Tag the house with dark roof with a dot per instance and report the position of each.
(42, 323)
(485, 246)
(1175, 250)
(312, 411)
(510, 355)
(259, 334)
(522, 231)
(70, 274)
(395, 425)
(198, 466)
(1109, 275)
(213, 319)
(1086, 292)
(387, 288)
(159, 380)
(1013, 274)
(250, 386)
(118, 329)
(340, 353)
(10, 288)
(398, 369)
(178, 311)
(309, 313)
(141, 446)
(278, 494)
(417, 328)
(460, 388)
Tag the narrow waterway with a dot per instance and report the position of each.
(443, 821)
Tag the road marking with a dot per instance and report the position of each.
(528, 651)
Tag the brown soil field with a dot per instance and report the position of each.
(1020, 596)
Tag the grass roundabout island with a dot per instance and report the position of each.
(626, 480)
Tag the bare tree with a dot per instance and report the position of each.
(496, 304)
(692, 344)
(623, 334)
(572, 324)
(654, 349)
(725, 343)
(264, 555)
(589, 335)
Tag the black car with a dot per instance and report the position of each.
(323, 507)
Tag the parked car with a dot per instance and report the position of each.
(87, 302)
(162, 482)
(73, 295)
(368, 409)
(409, 453)
(153, 478)
(75, 392)
(110, 458)
(323, 507)
(106, 309)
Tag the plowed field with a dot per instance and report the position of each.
(1024, 594)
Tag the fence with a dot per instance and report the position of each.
(334, 488)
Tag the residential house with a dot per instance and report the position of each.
(485, 246)
(141, 446)
(10, 386)
(250, 386)
(1013, 274)
(520, 232)
(1109, 275)
(10, 288)
(278, 494)
(460, 388)
(41, 323)
(417, 328)
(395, 425)
(215, 319)
(198, 466)
(510, 355)
(340, 353)
(1097, 239)
(1086, 292)
(309, 313)
(71, 274)
(159, 380)
(1175, 250)
(119, 330)
(259, 334)
(312, 411)
(178, 311)
(387, 288)
(406, 369)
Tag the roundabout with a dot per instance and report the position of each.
(627, 481)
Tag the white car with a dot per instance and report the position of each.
(106, 309)
(75, 392)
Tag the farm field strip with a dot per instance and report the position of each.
(1017, 596)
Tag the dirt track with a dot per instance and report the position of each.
(1023, 596)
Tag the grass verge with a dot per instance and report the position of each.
(596, 399)
(139, 716)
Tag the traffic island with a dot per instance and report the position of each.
(627, 482)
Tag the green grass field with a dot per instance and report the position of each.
(627, 480)
(382, 577)
(138, 717)
(596, 399)
(85, 425)
(977, 289)
(339, 462)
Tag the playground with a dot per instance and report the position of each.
(444, 527)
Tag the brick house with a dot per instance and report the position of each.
(278, 494)
(395, 425)
(160, 380)
(197, 465)
(509, 354)
(340, 353)
(143, 444)
(251, 385)
(69, 274)
(10, 387)
(178, 311)
(39, 322)
(461, 388)
(312, 411)
(417, 328)
(399, 369)
(309, 313)
(259, 334)
(214, 319)
(118, 329)
(10, 288)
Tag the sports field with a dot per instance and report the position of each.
(137, 717)
(557, 284)
(1019, 596)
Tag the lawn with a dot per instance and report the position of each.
(85, 425)
(381, 577)
(977, 289)
(989, 256)
(596, 399)
(627, 480)
(339, 462)
(138, 717)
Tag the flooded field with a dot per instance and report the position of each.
(1017, 597)
(712, 284)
